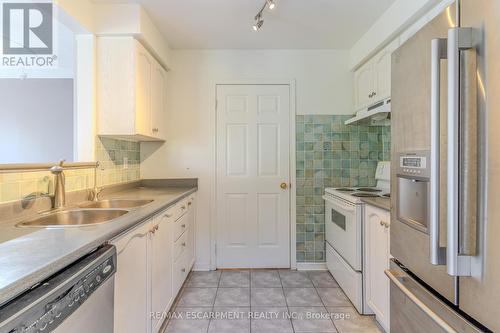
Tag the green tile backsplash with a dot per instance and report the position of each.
(331, 154)
(109, 152)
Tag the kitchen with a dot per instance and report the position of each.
(322, 167)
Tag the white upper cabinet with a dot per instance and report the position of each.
(131, 90)
(364, 86)
(158, 100)
(377, 256)
(372, 81)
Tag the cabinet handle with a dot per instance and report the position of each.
(157, 227)
(155, 130)
(183, 225)
(183, 207)
(168, 215)
(190, 203)
(183, 270)
(384, 224)
(183, 244)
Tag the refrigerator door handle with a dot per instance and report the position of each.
(439, 52)
(405, 283)
(462, 202)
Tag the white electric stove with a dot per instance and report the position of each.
(344, 211)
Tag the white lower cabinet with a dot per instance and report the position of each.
(377, 256)
(161, 270)
(154, 260)
(132, 281)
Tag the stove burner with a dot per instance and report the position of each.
(345, 189)
(368, 189)
(364, 195)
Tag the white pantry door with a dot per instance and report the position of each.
(253, 155)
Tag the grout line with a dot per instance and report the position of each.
(286, 303)
(250, 300)
(332, 321)
(215, 298)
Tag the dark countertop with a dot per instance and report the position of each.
(384, 203)
(29, 258)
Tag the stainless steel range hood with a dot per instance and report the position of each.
(376, 115)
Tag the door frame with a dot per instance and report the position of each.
(292, 163)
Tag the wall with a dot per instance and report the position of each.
(110, 153)
(324, 86)
(331, 154)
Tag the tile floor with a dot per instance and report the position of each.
(265, 301)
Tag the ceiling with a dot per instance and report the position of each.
(294, 24)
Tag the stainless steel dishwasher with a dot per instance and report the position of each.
(78, 299)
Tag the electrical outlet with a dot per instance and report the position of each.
(125, 162)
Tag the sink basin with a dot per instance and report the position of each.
(76, 218)
(116, 203)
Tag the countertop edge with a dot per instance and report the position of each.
(381, 203)
(11, 291)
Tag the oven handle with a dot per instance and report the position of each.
(344, 206)
(439, 52)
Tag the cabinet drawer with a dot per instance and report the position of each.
(172, 213)
(181, 271)
(180, 226)
(182, 244)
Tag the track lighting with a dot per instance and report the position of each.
(258, 25)
(259, 21)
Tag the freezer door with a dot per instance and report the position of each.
(480, 293)
(411, 128)
(415, 310)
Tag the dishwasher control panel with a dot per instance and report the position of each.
(45, 306)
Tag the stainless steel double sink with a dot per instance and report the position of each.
(90, 213)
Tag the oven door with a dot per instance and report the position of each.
(343, 229)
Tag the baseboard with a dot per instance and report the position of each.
(201, 267)
(311, 266)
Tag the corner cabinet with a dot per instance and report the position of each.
(131, 90)
(377, 256)
(153, 262)
(372, 81)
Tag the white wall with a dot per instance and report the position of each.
(324, 86)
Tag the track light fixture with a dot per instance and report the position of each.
(259, 21)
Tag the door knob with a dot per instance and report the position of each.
(284, 186)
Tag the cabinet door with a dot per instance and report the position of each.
(132, 282)
(363, 86)
(143, 91)
(382, 72)
(158, 101)
(376, 262)
(161, 269)
(192, 231)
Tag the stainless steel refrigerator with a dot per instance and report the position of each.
(445, 230)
